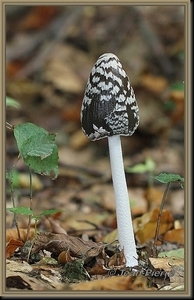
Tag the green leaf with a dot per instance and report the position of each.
(23, 132)
(166, 178)
(169, 105)
(21, 210)
(178, 86)
(46, 213)
(38, 149)
(47, 166)
(148, 166)
(39, 144)
(177, 253)
(11, 102)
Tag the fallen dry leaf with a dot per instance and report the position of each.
(13, 234)
(173, 266)
(161, 263)
(62, 76)
(21, 275)
(55, 226)
(64, 257)
(175, 236)
(114, 283)
(153, 196)
(156, 84)
(61, 242)
(145, 226)
(12, 246)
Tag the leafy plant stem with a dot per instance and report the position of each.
(13, 202)
(150, 180)
(154, 248)
(31, 198)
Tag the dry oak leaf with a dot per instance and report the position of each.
(56, 243)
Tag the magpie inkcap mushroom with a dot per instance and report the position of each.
(109, 109)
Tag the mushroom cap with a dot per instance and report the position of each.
(109, 106)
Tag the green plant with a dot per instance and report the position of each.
(166, 179)
(12, 102)
(148, 167)
(39, 152)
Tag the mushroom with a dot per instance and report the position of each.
(109, 109)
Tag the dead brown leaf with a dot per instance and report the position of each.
(175, 236)
(13, 234)
(174, 267)
(55, 226)
(62, 76)
(61, 242)
(64, 257)
(156, 84)
(161, 263)
(154, 197)
(21, 275)
(12, 246)
(112, 284)
(145, 226)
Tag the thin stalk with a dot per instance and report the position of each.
(154, 248)
(123, 211)
(31, 198)
(14, 205)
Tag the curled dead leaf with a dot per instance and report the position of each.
(57, 243)
(64, 257)
(12, 246)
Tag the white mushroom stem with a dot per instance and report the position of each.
(123, 211)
